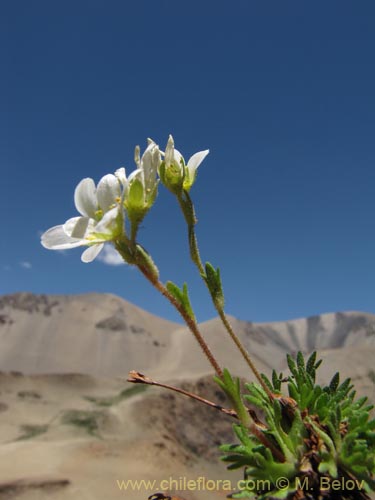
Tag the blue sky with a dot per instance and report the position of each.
(281, 92)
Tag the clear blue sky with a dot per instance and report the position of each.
(281, 92)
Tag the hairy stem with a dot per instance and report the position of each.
(243, 351)
(191, 323)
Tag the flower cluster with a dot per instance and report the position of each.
(104, 207)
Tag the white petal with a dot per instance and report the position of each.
(150, 163)
(196, 160)
(137, 155)
(121, 175)
(78, 227)
(178, 157)
(108, 223)
(57, 239)
(138, 173)
(169, 150)
(85, 198)
(90, 253)
(108, 191)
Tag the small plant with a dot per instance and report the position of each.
(30, 431)
(317, 439)
(110, 401)
(84, 419)
(313, 443)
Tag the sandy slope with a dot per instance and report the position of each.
(141, 437)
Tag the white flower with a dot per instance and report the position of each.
(175, 173)
(101, 218)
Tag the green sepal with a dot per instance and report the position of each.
(182, 297)
(135, 205)
(171, 177)
(135, 196)
(188, 181)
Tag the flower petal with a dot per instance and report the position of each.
(121, 175)
(196, 160)
(169, 151)
(150, 162)
(78, 227)
(57, 239)
(85, 198)
(108, 191)
(178, 157)
(90, 253)
(138, 174)
(108, 224)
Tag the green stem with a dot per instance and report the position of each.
(188, 211)
(133, 233)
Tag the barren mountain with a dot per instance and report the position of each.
(97, 334)
(104, 335)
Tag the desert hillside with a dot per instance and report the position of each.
(97, 334)
(71, 427)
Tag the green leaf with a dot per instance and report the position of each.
(276, 381)
(267, 381)
(213, 281)
(186, 301)
(318, 363)
(231, 386)
(334, 382)
(293, 392)
(310, 365)
(300, 362)
(292, 365)
(174, 290)
(181, 296)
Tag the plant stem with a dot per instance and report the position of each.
(191, 323)
(243, 351)
(139, 378)
(188, 211)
